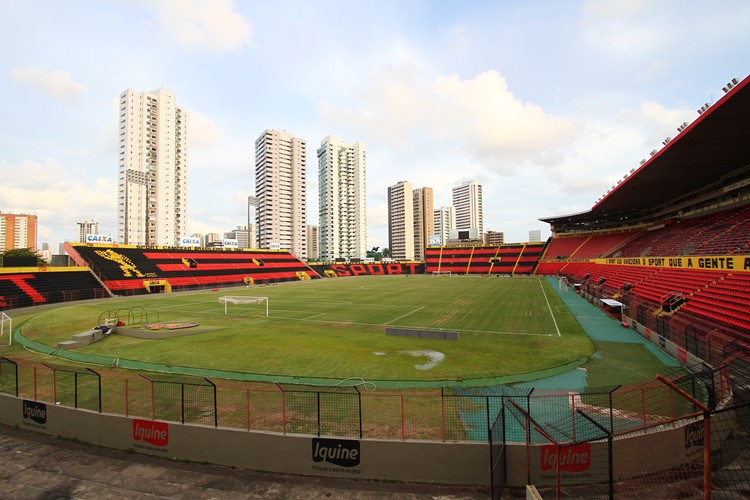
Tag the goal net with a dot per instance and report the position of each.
(243, 300)
(6, 329)
(441, 273)
(563, 285)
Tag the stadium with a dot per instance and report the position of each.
(611, 360)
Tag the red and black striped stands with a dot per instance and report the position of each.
(37, 286)
(128, 269)
(516, 258)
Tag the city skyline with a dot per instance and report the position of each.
(440, 93)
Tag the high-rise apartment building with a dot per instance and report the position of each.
(342, 205)
(401, 221)
(424, 220)
(313, 242)
(152, 199)
(85, 228)
(535, 236)
(241, 234)
(281, 191)
(467, 200)
(444, 220)
(18, 231)
(494, 238)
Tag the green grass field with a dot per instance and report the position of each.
(335, 328)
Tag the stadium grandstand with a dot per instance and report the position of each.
(670, 243)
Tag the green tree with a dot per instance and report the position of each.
(374, 253)
(22, 252)
(387, 252)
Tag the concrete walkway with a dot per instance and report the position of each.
(37, 466)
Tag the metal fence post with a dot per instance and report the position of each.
(611, 410)
(359, 403)
(317, 393)
(216, 404)
(99, 379)
(707, 483)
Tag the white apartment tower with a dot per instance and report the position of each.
(467, 200)
(342, 206)
(85, 228)
(152, 169)
(313, 242)
(401, 221)
(445, 220)
(281, 191)
(424, 221)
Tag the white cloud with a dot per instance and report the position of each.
(197, 24)
(58, 84)
(495, 125)
(481, 114)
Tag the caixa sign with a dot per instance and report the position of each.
(341, 452)
(153, 433)
(98, 238)
(35, 411)
(189, 241)
(576, 458)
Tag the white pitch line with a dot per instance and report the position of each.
(404, 315)
(550, 308)
(314, 316)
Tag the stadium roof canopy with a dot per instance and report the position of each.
(711, 150)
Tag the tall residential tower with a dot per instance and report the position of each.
(445, 220)
(467, 200)
(152, 166)
(401, 221)
(424, 221)
(342, 206)
(281, 191)
(18, 231)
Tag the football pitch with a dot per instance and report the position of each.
(335, 329)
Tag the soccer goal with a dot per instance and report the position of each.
(239, 299)
(441, 273)
(563, 286)
(6, 329)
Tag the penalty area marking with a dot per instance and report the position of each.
(550, 308)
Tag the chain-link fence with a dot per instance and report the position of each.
(618, 441)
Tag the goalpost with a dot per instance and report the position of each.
(563, 285)
(6, 328)
(240, 299)
(441, 273)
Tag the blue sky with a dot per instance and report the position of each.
(545, 103)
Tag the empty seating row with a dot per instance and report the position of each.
(724, 232)
(36, 287)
